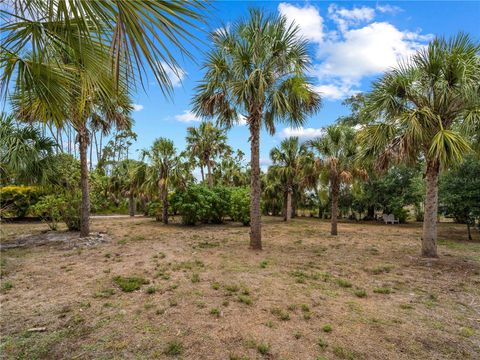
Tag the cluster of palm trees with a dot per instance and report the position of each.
(86, 58)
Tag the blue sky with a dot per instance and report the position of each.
(351, 44)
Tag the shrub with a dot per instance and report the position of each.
(174, 348)
(240, 205)
(327, 328)
(48, 209)
(201, 204)
(16, 200)
(154, 209)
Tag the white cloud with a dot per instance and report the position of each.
(174, 73)
(137, 107)
(356, 47)
(335, 92)
(349, 17)
(301, 132)
(387, 8)
(307, 18)
(242, 120)
(187, 116)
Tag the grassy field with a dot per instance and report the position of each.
(158, 291)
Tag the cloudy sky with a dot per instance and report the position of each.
(351, 44)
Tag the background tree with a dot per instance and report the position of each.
(257, 67)
(206, 142)
(290, 162)
(460, 192)
(425, 108)
(337, 150)
(164, 169)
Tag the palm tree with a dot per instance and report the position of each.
(426, 108)
(166, 167)
(337, 151)
(256, 68)
(85, 54)
(206, 143)
(25, 153)
(291, 162)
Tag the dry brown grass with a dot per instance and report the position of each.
(202, 279)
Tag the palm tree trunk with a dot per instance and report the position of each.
(209, 173)
(201, 171)
(429, 239)
(255, 191)
(131, 203)
(469, 232)
(288, 205)
(85, 206)
(335, 191)
(164, 198)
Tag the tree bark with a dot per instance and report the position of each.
(131, 203)
(201, 171)
(335, 191)
(164, 197)
(85, 206)
(255, 191)
(469, 231)
(209, 174)
(429, 239)
(288, 206)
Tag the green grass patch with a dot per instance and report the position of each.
(280, 314)
(382, 290)
(343, 283)
(174, 348)
(129, 284)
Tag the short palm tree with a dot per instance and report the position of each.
(256, 68)
(337, 152)
(164, 169)
(25, 154)
(291, 161)
(426, 109)
(206, 142)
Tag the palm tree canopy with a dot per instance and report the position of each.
(206, 141)
(257, 66)
(429, 106)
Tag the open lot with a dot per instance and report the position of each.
(202, 294)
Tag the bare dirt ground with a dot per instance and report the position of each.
(365, 294)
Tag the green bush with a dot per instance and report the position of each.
(48, 209)
(154, 209)
(199, 203)
(240, 205)
(70, 211)
(16, 200)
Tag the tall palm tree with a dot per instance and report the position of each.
(426, 108)
(337, 152)
(206, 142)
(291, 161)
(256, 68)
(165, 168)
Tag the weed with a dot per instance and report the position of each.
(361, 293)
(307, 315)
(108, 255)
(6, 286)
(215, 286)
(174, 348)
(172, 302)
(195, 278)
(305, 307)
(129, 284)
(344, 283)
(382, 290)
(263, 264)
(322, 343)
(105, 293)
(467, 332)
(263, 348)
(381, 269)
(151, 290)
(297, 335)
(269, 324)
(225, 303)
(215, 312)
(406, 306)
(327, 328)
(344, 353)
(232, 288)
(280, 314)
(292, 307)
(245, 299)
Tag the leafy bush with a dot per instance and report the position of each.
(129, 284)
(15, 200)
(240, 205)
(53, 209)
(48, 209)
(201, 204)
(154, 209)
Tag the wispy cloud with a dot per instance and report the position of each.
(187, 116)
(302, 133)
(137, 107)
